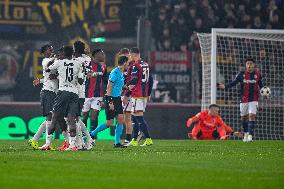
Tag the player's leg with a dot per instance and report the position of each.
(119, 121)
(48, 99)
(79, 141)
(90, 141)
(64, 128)
(95, 109)
(34, 141)
(72, 112)
(86, 109)
(244, 119)
(196, 132)
(252, 119)
(127, 120)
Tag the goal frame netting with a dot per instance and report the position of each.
(209, 56)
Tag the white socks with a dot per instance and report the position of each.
(84, 130)
(40, 131)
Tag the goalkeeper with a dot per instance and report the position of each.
(210, 125)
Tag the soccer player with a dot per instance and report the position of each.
(66, 102)
(140, 85)
(47, 94)
(210, 125)
(94, 85)
(113, 102)
(126, 97)
(251, 83)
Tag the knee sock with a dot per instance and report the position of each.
(135, 127)
(40, 131)
(118, 132)
(143, 126)
(245, 126)
(94, 124)
(251, 125)
(97, 130)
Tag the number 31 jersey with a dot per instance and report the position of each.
(140, 71)
(69, 71)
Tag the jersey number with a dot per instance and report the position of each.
(69, 74)
(145, 74)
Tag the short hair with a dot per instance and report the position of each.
(123, 51)
(249, 59)
(44, 48)
(79, 47)
(68, 51)
(134, 50)
(96, 51)
(214, 106)
(122, 60)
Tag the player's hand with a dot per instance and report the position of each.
(188, 123)
(111, 106)
(89, 75)
(130, 87)
(125, 100)
(221, 86)
(36, 82)
(103, 105)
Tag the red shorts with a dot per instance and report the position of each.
(203, 134)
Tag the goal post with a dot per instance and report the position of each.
(223, 52)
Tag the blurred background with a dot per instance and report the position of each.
(164, 30)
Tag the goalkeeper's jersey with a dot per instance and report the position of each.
(251, 83)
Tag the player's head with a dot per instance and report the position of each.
(46, 50)
(250, 64)
(60, 53)
(123, 61)
(79, 47)
(68, 52)
(87, 50)
(213, 109)
(99, 55)
(134, 54)
(124, 51)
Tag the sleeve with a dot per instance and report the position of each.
(104, 77)
(81, 71)
(112, 77)
(227, 128)
(134, 75)
(196, 117)
(260, 82)
(150, 83)
(54, 66)
(235, 81)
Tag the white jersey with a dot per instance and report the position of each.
(86, 63)
(69, 71)
(48, 84)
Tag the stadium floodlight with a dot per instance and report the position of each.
(223, 53)
(98, 39)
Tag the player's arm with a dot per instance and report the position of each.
(150, 83)
(260, 82)
(81, 75)
(193, 120)
(134, 77)
(108, 97)
(104, 77)
(227, 128)
(53, 67)
(233, 83)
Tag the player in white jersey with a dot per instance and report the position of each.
(47, 94)
(79, 49)
(70, 73)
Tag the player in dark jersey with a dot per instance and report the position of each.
(94, 88)
(140, 85)
(250, 84)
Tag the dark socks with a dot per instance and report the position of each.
(128, 137)
(251, 125)
(245, 126)
(135, 127)
(143, 126)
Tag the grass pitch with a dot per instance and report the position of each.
(166, 164)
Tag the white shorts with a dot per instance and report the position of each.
(248, 108)
(138, 104)
(128, 106)
(92, 103)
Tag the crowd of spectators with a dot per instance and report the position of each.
(176, 22)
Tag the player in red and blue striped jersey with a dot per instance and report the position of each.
(140, 85)
(250, 84)
(94, 88)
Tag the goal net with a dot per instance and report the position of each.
(223, 53)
